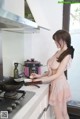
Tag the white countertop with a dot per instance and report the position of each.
(29, 107)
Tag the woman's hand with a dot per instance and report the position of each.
(34, 76)
(43, 79)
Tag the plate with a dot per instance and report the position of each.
(19, 79)
(23, 79)
(27, 80)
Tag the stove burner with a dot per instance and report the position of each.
(13, 105)
(14, 95)
(10, 94)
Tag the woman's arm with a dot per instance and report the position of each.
(44, 74)
(34, 75)
(59, 71)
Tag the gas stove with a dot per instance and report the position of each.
(12, 102)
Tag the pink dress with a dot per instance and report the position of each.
(60, 90)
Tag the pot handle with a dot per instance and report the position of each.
(32, 83)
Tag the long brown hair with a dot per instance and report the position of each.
(65, 36)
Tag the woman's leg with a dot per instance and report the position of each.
(65, 113)
(58, 110)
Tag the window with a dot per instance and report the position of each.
(71, 17)
(28, 13)
(75, 17)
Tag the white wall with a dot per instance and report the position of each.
(47, 13)
(38, 13)
(42, 46)
(15, 6)
(27, 46)
(13, 51)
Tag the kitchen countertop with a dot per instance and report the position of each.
(29, 107)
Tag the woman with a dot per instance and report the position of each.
(57, 74)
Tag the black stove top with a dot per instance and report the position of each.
(12, 95)
(11, 103)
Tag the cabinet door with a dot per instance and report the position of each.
(43, 116)
(44, 102)
(39, 112)
(36, 112)
(49, 114)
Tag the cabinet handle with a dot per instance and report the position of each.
(45, 109)
(41, 114)
(39, 117)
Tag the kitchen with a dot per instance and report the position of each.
(17, 47)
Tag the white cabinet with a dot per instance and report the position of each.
(36, 113)
(49, 114)
(39, 109)
(43, 110)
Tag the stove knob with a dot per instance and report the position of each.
(9, 109)
(17, 102)
(13, 105)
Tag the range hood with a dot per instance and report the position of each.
(10, 20)
(15, 23)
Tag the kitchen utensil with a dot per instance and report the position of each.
(11, 85)
(33, 83)
(16, 70)
(19, 80)
(26, 81)
(23, 79)
(32, 66)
